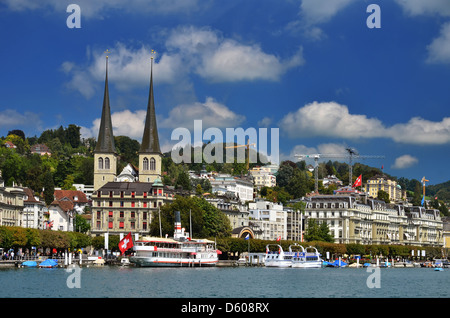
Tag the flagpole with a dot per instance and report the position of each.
(159, 216)
(190, 224)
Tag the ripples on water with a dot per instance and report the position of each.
(241, 282)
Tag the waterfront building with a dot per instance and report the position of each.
(358, 218)
(62, 211)
(234, 209)
(268, 219)
(383, 182)
(11, 206)
(122, 207)
(33, 210)
(242, 188)
(124, 203)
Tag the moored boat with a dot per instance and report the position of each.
(277, 257)
(48, 263)
(179, 251)
(307, 259)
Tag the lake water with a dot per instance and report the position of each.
(224, 283)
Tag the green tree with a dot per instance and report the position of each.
(324, 233)
(206, 220)
(383, 196)
(81, 224)
(49, 188)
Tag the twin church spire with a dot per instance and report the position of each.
(105, 155)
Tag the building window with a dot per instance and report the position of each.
(100, 163)
(121, 214)
(120, 225)
(98, 224)
(152, 164)
(145, 164)
(144, 215)
(132, 204)
(144, 225)
(133, 215)
(133, 225)
(145, 204)
(99, 215)
(110, 214)
(132, 195)
(110, 224)
(145, 195)
(121, 194)
(107, 163)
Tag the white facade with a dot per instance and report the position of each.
(241, 188)
(269, 218)
(33, 211)
(263, 177)
(60, 220)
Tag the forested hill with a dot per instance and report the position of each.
(72, 162)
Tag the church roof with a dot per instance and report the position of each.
(105, 140)
(150, 140)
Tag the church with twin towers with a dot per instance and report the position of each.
(105, 155)
(124, 203)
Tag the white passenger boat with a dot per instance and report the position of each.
(178, 251)
(305, 259)
(277, 257)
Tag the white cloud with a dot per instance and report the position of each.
(221, 59)
(314, 13)
(125, 123)
(211, 112)
(428, 7)
(265, 122)
(439, 49)
(189, 50)
(127, 68)
(28, 121)
(422, 131)
(330, 119)
(405, 161)
(232, 61)
(321, 11)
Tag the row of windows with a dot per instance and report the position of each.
(122, 225)
(122, 214)
(133, 194)
(104, 163)
(146, 164)
(145, 204)
(149, 164)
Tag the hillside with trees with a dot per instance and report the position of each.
(71, 161)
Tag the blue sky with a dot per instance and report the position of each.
(311, 68)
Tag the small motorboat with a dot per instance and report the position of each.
(438, 269)
(48, 263)
(29, 264)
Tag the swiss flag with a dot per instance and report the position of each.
(126, 243)
(358, 182)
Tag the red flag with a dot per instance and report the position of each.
(358, 182)
(279, 238)
(126, 243)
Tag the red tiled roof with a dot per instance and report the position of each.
(70, 194)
